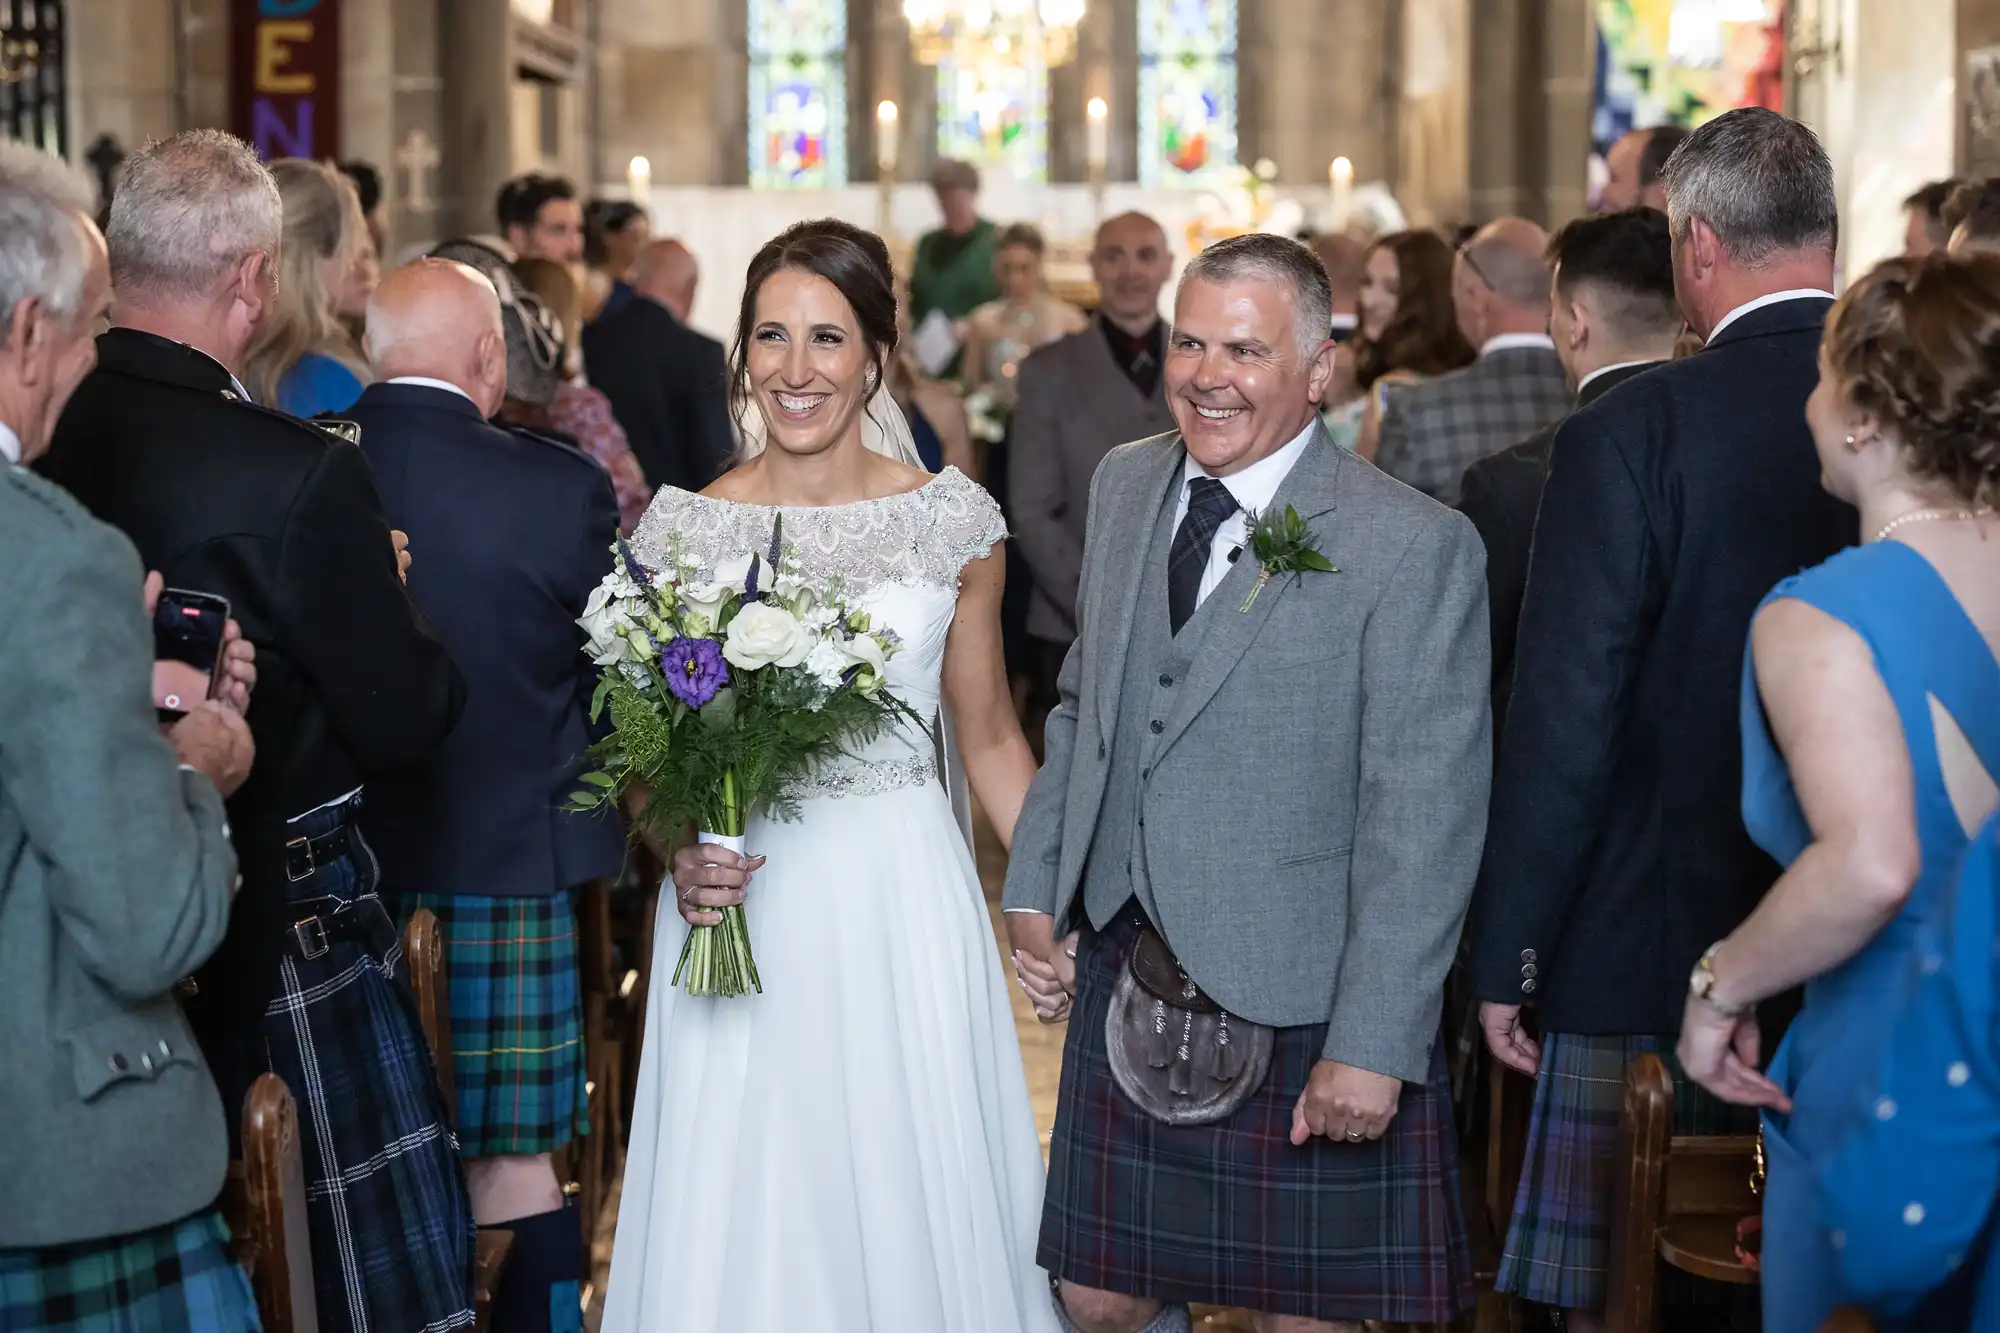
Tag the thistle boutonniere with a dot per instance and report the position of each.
(1283, 544)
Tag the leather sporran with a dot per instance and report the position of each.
(1175, 1053)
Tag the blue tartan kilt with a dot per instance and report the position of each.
(177, 1278)
(1558, 1249)
(1232, 1214)
(393, 1236)
(516, 1019)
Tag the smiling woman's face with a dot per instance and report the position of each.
(807, 363)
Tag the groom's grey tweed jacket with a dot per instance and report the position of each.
(1313, 800)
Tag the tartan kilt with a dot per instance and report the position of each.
(393, 1236)
(1232, 1214)
(177, 1278)
(516, 1019)
(1558, 1249)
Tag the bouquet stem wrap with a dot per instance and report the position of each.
(716, 960)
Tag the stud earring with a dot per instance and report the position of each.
(1852, 446)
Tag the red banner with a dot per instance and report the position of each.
(284, 76)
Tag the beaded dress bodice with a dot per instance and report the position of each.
(898, 558)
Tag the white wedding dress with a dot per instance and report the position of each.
(851, 1151)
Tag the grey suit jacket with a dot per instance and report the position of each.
(1075, 405)
(116, 876)
(1315, 812)
(1433, 431)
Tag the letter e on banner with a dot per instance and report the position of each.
(284, 76)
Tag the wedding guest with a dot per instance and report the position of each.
(1871, 715)
(1924, 227)
(664, 379)
(1408, 331)
(1432, 432)
(367, 183)
(576, 412)
(1972, 216)
(351, 306)
(283, 520)
(540, 218)
(1081, 398)
(302, 358)
(939, 426)
(1337, 729)
(473, 831)
(116, 1142)
(1345, 261)
(953, 272)
(1636, 163)
(1613, 316)
(1615, 852)
(1027, 315)
(615, 231)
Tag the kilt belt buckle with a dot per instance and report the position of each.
(311, 935)
(299, 851)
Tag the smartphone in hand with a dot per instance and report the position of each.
(187, 650)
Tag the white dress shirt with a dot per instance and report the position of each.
(1254, 487)
(1507, 342)
(426, 382)
(10, 444)
(1796, 294)
(1602, 371)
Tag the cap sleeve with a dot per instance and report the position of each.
(969, 522)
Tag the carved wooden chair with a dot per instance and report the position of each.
(1677, 1201)
(264, 1202)
(423, 944)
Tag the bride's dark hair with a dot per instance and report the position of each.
(856, 262)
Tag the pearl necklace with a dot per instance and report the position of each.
(1929, 516)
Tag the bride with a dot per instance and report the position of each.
(852, 1150)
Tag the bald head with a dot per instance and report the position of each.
(1501, 282)
(439, 319)
(1345, 260)
(667, 273)
(1131, 262)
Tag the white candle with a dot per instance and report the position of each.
(639, 180)
(886, 139)
(1340, 177)
(1099, 142)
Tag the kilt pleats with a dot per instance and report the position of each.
(177, 1278)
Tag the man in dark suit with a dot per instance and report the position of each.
(516, 532)
(1615, 852)
(282, 519)
(1434, 430)
(1081, 397)
(1613, 316)
(667, 383)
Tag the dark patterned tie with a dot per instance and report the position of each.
(1209, 506)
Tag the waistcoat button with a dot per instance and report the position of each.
(1166, 678)
(1157, 726)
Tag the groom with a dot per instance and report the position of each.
(1290, 789)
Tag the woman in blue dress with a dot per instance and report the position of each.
(303, 360)
(1871, 726)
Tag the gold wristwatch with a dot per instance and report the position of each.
(1701, 985)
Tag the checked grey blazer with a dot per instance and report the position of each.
(1433, 431)
(1315, 804)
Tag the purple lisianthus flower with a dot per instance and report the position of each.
(694, 670)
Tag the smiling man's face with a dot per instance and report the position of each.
(1240, 386)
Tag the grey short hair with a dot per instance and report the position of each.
(43, 253)
(952, 173)
(1762, 182)
(187, 211)
(1276, 259)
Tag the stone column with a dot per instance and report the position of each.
(672, 75)
(1311, 87)
(1433, 174)
(475, 62)
(1568, 93)
(122, 71)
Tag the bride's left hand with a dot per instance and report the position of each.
(1048, 984)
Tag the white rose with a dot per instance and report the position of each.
(603, 620)
(763, 635)
(866, 650)
(706, 599)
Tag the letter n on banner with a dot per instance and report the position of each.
(284, 76)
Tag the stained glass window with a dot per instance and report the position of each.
(993, 110)
(798, 93)
(1187, 90)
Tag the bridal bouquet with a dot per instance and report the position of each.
(723, 686)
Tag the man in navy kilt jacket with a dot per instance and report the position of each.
(512, 532)
(1285, 779)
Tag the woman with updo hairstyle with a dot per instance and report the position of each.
(1000, 334)
(1871, 738)
(1407, 329)
(792, 1151)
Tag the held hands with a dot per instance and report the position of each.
(1044, 968)
(1720, 1053)
(214, 740)
(1507, 1039)
(401, 541)
(1345, 1104)
(708, 878)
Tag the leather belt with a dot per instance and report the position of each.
(304, 856)
(337, 919)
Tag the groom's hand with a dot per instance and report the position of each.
(1044, 967)
(708, 878)
(1345, 1104)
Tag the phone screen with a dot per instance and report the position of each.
(187, 648)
